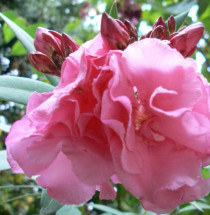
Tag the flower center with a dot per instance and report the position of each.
(140, 117)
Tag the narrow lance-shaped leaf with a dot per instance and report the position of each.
(180, 19)
(181, 6)
(3, 160)
(27, 42)
(23, 37)
(113, 11)
(108, 209)
(18, 89)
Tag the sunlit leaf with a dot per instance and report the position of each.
(181, 7)
(3, 160)
(180, 19)
(206, 172)
(113, 11)
(22, 36)
(203, 5)
(18, 89)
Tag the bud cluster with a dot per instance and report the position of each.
(184, 40)
(51, 50)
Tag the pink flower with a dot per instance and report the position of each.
(62, 139)
(141, 115)
(158, 111)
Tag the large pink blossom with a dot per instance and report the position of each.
(62, 139)
(158, 111)
(141, 114)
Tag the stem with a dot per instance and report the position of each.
(19, 186)
(20, 197)
(145, 212)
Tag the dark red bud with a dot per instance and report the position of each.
(132, 31)
(172, 35)
(160, 22)
(171, 24)
(53, 42)
(142, 37)
(43, 63)
(47, 41)
(68, 45)
(186, 40)
(158, 32)
(114, 32)
(148, 34)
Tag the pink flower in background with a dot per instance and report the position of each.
(157, 109)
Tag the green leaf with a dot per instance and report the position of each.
(181, 7)
(18, 89)
(206, 172)
(202, 206)
(195, 204)
(18, 49)
(27, 42)
(113, 11)
(4, 127)
(180, 19)
(3, 160)
(109, 209)
(69, 210)
(203, 5)
(158, 7)
(54, 80)
(49, 205)
(24, 37)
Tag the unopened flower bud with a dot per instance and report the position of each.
(47, 42)
(158, 32)
(185, 41)
(160, 22)
(52, 47)
(115, 33)
(171, 24)
(43, 63)
(68, 45)
(132, 31)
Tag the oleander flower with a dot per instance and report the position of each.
(158, 112)
(133, 112)
(62, 139)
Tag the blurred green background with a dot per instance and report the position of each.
(81, 20)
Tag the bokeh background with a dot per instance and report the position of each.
(81, 20)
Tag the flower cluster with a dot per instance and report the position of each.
(133, 112)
